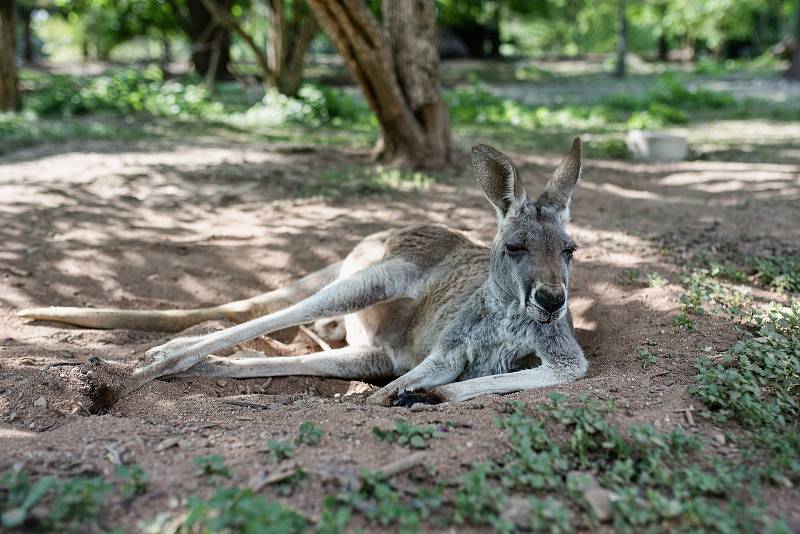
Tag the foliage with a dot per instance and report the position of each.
(309, 434)
(781, 273)
(758, 383)
(380, 503)
(211, 467)
(60, 504)
(135, 480)
(125, 91)
(279, 450)
(314, 106)
(406, 434)
(238, 510)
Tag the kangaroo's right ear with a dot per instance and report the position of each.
(498, 178)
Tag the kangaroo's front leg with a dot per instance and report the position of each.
(562, 361)
(441, 367)
(378, 283)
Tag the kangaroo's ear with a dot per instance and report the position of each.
(498, 178)
(558, 191)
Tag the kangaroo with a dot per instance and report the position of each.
(445, 318)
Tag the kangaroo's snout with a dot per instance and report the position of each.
(549, 301)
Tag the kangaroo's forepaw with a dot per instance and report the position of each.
(409, 398)
(382, 397)
(98, 384)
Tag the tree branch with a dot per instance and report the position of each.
(228, 22)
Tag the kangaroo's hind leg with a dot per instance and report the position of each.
(384, 281)
(350, 363)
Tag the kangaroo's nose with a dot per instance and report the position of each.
(548, 300)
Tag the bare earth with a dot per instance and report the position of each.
(184, 225)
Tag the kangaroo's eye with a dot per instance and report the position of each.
(515, 248)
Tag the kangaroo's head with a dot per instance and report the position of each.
(532, 252)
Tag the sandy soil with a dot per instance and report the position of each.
(184, 225)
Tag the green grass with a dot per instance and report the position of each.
(50, 503)
(279, 450)
(59, 107)
(407, 435)
(212, 468)
(309, 434)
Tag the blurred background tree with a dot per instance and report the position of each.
(391, 50)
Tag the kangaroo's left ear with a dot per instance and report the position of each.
(498, 178)
(558, 191)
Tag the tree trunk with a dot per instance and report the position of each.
(622, 40)
(288, 44)
(282, 67)
(209, 40)
(663, 47)
(397, 69)
(9, 86)
(794, 68)
(27, 35)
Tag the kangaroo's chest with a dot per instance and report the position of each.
(498, 347)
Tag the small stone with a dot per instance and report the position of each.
(517, 510)
(719, 437)
(12, 417)
(221, 383)
(167, 443)
(420, 407)
(599, 500)
(41, 402)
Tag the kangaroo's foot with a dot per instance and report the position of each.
(162, 352)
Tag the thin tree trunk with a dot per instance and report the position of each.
(622, 40)
(397, 69)
(794, 68)
(202, 30)
(27, 35)
(288, 44)
(9, 83)
(282, 65)
(663, 47)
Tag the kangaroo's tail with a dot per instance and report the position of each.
(176, 320)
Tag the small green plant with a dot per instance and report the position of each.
(279, 450)
(309, 434)
(781, 273)
(407, 435)
(646, 357)
(211, 467)
(61, 505)
(239, 510)
(631, 276)
(478, 501)
(656, 280)
(134, 480)
(549, 515)
(682, 320)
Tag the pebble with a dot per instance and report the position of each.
(599, 500)
(167, 443)
(719, 437)
(41, 402)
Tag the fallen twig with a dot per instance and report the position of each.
(246, 404)
(315, 338)
(403, 464)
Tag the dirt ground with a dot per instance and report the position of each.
(189, 224)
